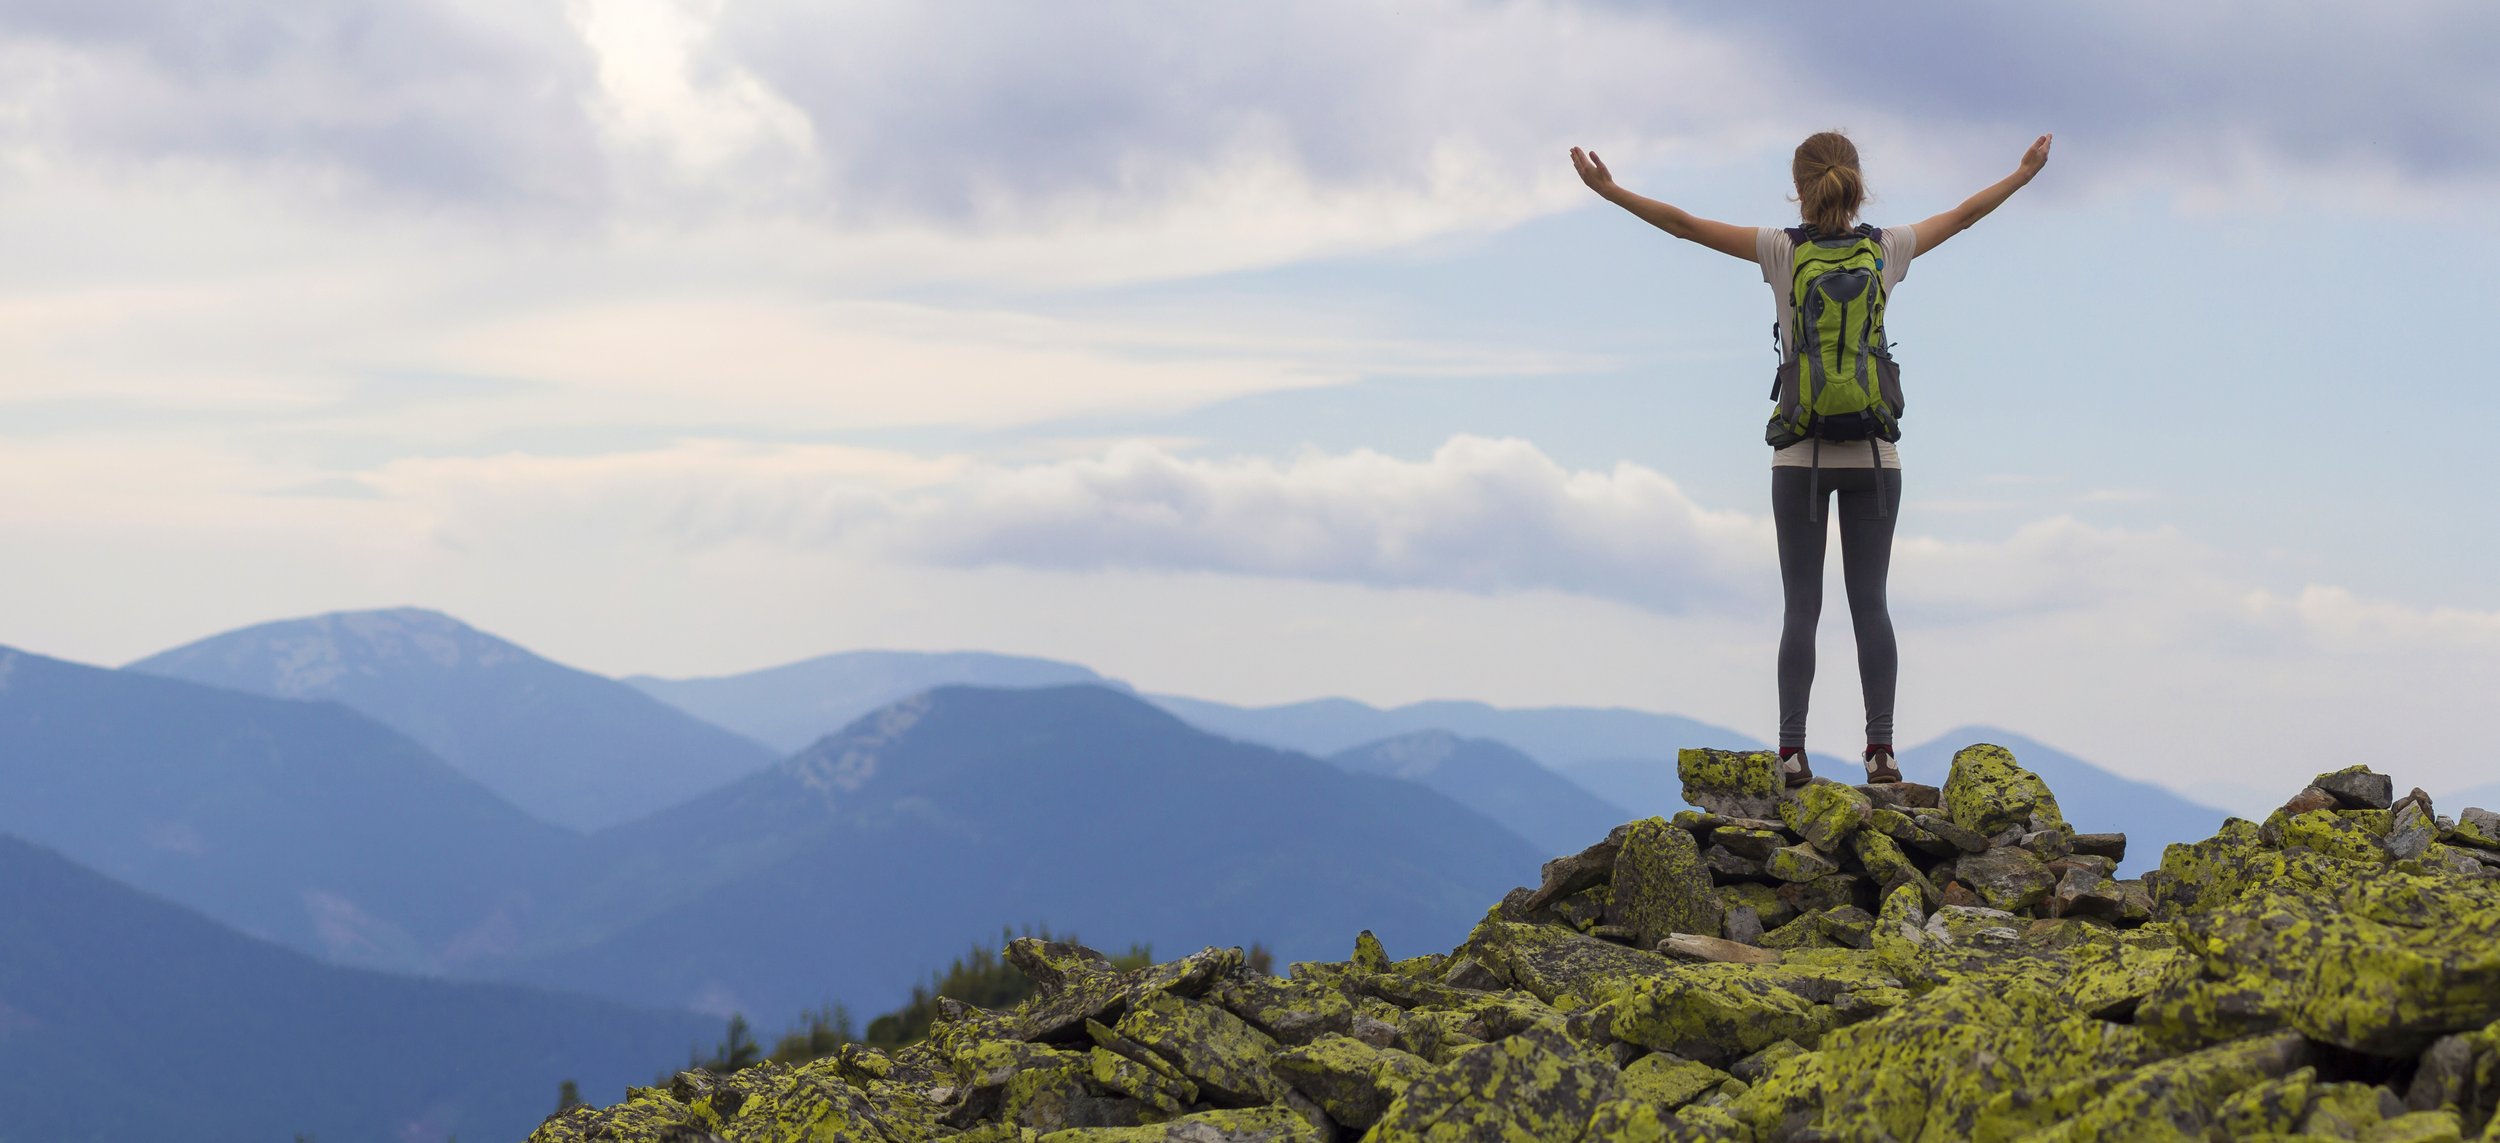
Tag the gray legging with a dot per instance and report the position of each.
(1865, 557)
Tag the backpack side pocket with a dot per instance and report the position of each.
(1787, 389)
(1888, 382)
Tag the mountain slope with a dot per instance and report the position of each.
(2092, 798)
(792, 705)
(574, 748)
(1547, 809)
(1555, 736)
(846, 871)
(125, 1017)
(303, 822)
(1649, 785)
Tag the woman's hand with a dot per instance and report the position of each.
(1593, 172)
(2035, 158)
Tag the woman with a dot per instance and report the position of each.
(1830, 189)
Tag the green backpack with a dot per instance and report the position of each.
(1838, 381)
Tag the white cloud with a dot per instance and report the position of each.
(652, 95)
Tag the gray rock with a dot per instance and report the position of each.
(1564, 876)
(1732, 865)
(2359, 788)
(1744, 926)
(2110, 845)
(2007, 879)
(1800, 863)
(1968, 841)
(1754, 843)
(1903, 795)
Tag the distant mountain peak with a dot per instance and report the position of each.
(573, 747)
(843, 763)
(308, 656)
(1416, 754)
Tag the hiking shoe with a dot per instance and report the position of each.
(1880, 768)
(1793, 769)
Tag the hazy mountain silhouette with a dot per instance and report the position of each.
(126, 1017)
(792, 705)
(1648, 785)
(1556, 736)
(577, 749)
(307, 823)
(848, 870)
(1547, 809)
(2093, 799)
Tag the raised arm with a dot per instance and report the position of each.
(1726, 238)
(1934, 231)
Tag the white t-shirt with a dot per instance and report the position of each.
(1778, 255)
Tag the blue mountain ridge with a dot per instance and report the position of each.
(1544, 807)
(302, 822)
(851, 869)
(791, 706)
(126, 1017)
(571, 747)
(1555, 736)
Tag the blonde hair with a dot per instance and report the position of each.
(1830, 187)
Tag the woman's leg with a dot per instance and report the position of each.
(1801, 538)
(1865, 564)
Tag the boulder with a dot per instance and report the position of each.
(2008, 879)
(1744, 784)
(1535, 1087)
(1825, 813)
(1218, 1051)
(1986, 792)
(1352, 1081)
(2358, 788)
(1660, 885)
(1800, 862)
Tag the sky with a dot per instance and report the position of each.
(1269, 352)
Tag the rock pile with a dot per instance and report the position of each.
(1830, 963)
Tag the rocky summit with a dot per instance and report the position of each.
(1834, 962)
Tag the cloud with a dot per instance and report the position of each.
(2219, 103)
(1205, 137)
(1201, 139)
(1479, 515)
(429, 102)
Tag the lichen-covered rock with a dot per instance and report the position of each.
(1800, 863)
(1751, 843)
(2277, 981)
(1825, 813)
(1668, 1080)
(1715, 1013)
(1291, 1011)
(1987, 792)
(1743, 784)
(1534, 1087)
(1563, 968)
(1246, 1125)
(2007, 879)
(1352, 1081)
(2477, 828)
(1660, 885)
(1218, 1051)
